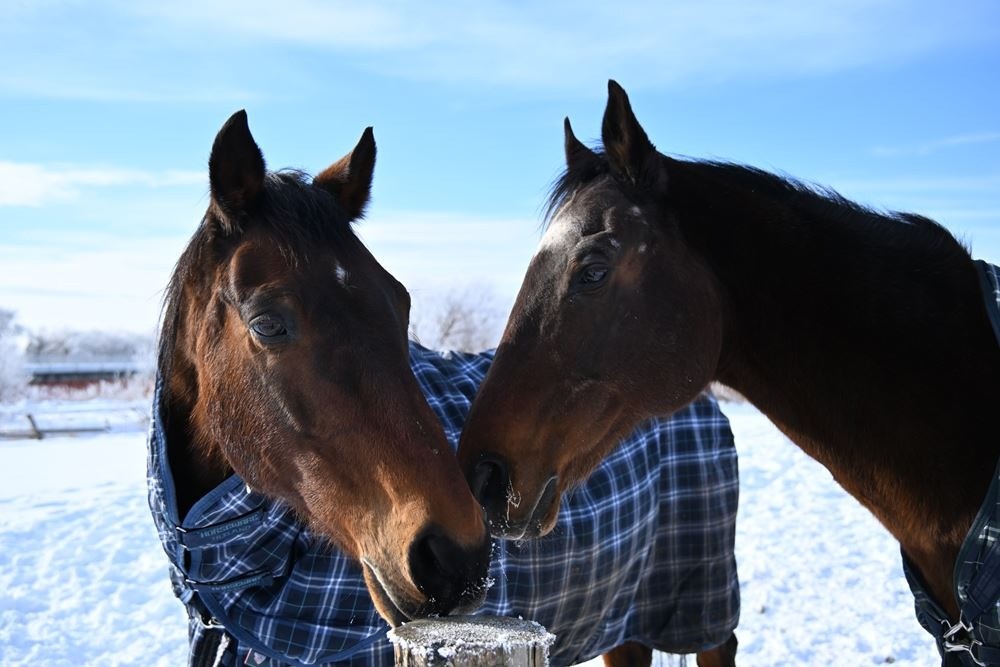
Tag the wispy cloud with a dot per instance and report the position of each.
(566, 42)
(57, 86)
(335, 24)
(929, 147)
(559, 45)
(28, 184)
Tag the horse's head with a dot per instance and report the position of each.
(617, 320)
(285, 359)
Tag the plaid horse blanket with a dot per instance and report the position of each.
(643, 550)
(975, 639)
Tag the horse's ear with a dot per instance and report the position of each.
(579, 158)
(235, 170)
(630, 152)
(350, 177)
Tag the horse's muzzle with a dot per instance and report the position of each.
(453, 577)
(492, 487)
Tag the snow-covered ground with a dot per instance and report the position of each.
(821, 580)
(82, 578)
(83, 582)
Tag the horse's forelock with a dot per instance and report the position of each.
(568, 183)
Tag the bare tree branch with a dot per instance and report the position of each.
(467, 320)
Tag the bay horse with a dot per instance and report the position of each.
(284, 359)
(862, 335)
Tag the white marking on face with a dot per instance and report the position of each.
(559, 236)
(636, 213)
(341, 273)
(614, 242)
(642, 248)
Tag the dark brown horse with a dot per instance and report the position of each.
(862, 335)
(284, 359)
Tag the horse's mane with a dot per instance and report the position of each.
(817, 202)
(296, 215)
(810, 200)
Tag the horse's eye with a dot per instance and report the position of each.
(268, 326)
(593, 275)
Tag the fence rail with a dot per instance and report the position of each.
(45, 422)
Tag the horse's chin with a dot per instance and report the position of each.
(548, 524)
(389, 605)
(528, 530)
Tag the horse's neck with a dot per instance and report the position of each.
(877, 362)
(196, 460)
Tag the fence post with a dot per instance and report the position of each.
(34, 426)
(471, 641)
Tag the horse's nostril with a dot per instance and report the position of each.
(438, 553)
(447, 573)
(489, 482)
(432, 558)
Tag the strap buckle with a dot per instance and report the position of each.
(958, 639)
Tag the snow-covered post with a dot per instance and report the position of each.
(471, 641)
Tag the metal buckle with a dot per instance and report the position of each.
(214, 624)
(955, 629)
(954, 644)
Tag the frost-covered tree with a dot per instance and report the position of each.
(13, 378)
(467, 320)
(88, 346)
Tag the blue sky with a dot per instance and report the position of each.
(109, 108)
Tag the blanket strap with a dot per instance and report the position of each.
(212, 649)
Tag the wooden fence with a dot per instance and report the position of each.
(43, 421)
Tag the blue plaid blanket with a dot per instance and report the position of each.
(643, 550)
(975, 639)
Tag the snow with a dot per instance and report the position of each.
(820, 577)
(82, 574)
(83, 578)
(481, 636)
